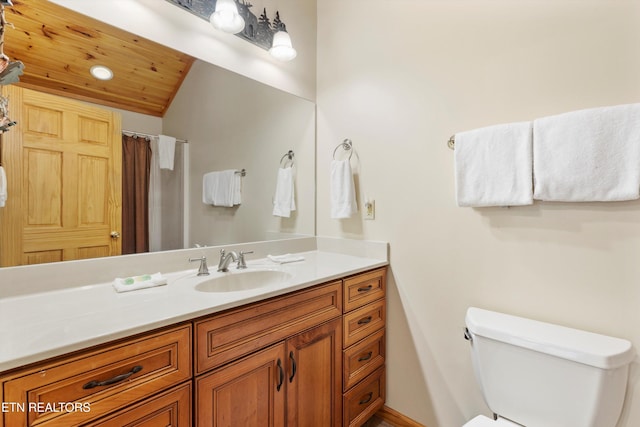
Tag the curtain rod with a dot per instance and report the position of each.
(184, 141)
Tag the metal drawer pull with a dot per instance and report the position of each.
(366, 357)
(366, 399)
(280, 375)
(116, 379)
(293, 366)
(365, 320)
(365, 288)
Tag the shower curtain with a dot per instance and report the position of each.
(136, 167)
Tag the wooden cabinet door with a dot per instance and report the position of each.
(314, 377)
(63, 164)
(246, 393)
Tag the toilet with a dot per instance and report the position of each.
(537, 374)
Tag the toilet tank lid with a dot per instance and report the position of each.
(577, 345)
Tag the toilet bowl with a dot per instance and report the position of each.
(536, 374)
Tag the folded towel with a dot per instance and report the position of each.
(343, 190)
(286, 258)
(166, 151)
(3, 187)
(222, 188)
(139, 282)
(493, 166)
(284, 199)
(588, 155)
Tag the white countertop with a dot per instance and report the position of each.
(38, 326)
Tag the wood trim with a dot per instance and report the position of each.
(396, 419)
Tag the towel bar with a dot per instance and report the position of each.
(289, 157)
(346, 145)
(242, 172)
(451, 143)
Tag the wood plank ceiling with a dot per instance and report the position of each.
(58, 47)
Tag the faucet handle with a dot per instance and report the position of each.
(241, 262)
(203, 270)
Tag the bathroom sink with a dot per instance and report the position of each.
(243, 281)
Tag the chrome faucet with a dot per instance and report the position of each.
(203, 270)
(225, 259)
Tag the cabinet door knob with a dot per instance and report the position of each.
(115, 235)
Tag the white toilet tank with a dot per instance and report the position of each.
(543, 375)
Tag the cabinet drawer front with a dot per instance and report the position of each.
(83, 387)
(363, 358)
(228, 336)
(364, 400)
(364, 288)
(172, 408)
(361, 322)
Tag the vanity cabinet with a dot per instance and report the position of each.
(77, 389)
(363, 344)
(294, 381)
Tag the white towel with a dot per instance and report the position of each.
(343, 190)
(3, 187)
(221, 188)
(588, 155)
(286, 258)
(284, 199)
(493, 166)
(167, 151)
(139, 282)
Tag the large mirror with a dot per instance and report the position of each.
(222, 121)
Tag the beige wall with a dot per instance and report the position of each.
(400, 77)
(233, 122)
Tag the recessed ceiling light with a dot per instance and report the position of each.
(101, 72)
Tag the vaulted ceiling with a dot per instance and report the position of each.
(58, 47)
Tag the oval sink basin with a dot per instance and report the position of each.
(243, 281)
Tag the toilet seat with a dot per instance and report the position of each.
(482, 421)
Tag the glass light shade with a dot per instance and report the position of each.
(281, 48)
(226, 17)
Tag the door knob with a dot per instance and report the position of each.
(115, 234)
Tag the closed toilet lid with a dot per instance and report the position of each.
(482, 421)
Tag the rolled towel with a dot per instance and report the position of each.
(493, 166)
(139, 282)
(286, 258)
(588, 155)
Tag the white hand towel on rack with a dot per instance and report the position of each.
(166, 151)
(343, 190)
(588, 155)
(221, 188)
(3, 187)
(493, 166)
(284, 199)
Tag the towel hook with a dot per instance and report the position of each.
(288, 157)
(346, 145)
(452, 142)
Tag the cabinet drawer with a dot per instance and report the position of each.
(364, 288)
(364, 321)
(172, 408)
(363, 358)
(364, 400)
(230, 335)
(83, 387)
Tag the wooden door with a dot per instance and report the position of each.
(314, 377)
(63, 164)
(246, 393)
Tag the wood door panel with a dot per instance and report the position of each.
(64, 172)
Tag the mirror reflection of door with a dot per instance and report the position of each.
(63, 163)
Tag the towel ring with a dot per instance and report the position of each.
(288, 157)
(346, 145)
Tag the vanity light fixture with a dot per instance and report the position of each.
(101, 72)
(226, 17)
(282, 49)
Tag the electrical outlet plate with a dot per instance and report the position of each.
(370, 209)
